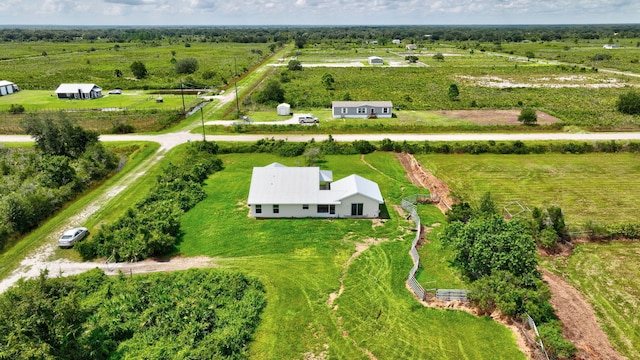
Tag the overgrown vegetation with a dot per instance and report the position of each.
(152, 226)
(499, 257)
(194, 314)
(37, 183)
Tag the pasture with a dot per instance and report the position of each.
(302, 261)
(599, 188)
(45, 65)
(608, 277)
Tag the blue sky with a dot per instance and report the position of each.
(316, 12)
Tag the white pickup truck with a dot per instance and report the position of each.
(308, 120)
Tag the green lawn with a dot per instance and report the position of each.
(609, 278)
(300, 262)
(603, 188)
(39, 100)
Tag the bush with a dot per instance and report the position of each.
(528, 116)
(629, 103)
(16, 109)
(557, 347)
(186, 66)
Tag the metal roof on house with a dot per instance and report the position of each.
(5, 83)
(355, 184)
(361, 103)
(279, 184)
(73, 88)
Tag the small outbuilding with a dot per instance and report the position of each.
(79, 91)
(375, 60)
(7, 87)
(284, 109)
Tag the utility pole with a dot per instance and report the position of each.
(237, 101)
(184, 109)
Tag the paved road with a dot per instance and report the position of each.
(168, 141)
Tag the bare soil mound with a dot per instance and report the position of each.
(579, 321)
(419, 176)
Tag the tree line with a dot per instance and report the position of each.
(281, 34)
(35, 183)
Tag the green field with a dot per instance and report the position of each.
(46, 100)
(602, 188)
(90, 62)
(300, 262)
(607, 275)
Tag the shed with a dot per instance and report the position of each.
(7, 87)
(284, 109)
(375, 60)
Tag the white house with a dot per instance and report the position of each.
(362, 109)
(395, 41)
(284, 109)
(375, 60)
(79, 91)
(7, 87)
(279, 191)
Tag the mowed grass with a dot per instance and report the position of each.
(38, 100)
(301, 261)
(609, 278)
(603, 188)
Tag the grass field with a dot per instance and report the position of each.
(300, 261)
(26, 66)
(602, 188)
(608, 276)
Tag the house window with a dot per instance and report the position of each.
(276, 209)
(305, 207)
(362, 110)
(323, 209)
(332, 209)
(385, 110)
(357, 209)
(258, 209)
(344, 110)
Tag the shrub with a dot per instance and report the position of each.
(294, 65)
(554, 343)
(186, 66)
(16, 109)
(629, 103)
(528, 116)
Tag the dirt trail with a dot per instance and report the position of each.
(578, 318)
(419, 176)
(579, 321)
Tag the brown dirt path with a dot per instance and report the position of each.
(579, 321)
(419, 176)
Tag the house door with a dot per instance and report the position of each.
(357, 209)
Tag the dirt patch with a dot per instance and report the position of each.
(419, 176)
(494, 117)
(579, 321)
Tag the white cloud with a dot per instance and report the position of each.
(311, 12)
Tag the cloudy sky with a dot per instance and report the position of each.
(316, 12)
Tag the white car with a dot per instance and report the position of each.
(115, 92)
(308, 120)
(71, 236)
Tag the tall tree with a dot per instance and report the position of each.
(59, 137)
(453, 92)
(138, 69)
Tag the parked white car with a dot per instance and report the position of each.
(72, 236)
(308, 120)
